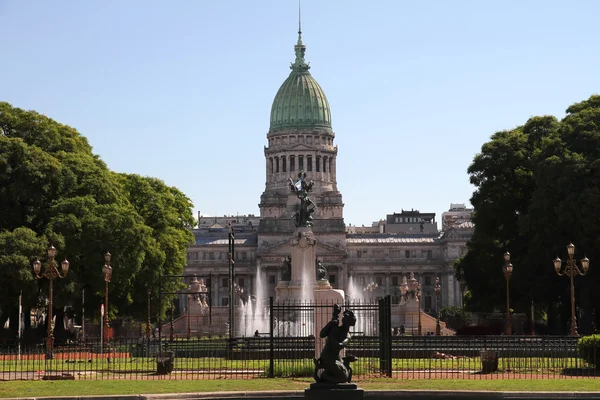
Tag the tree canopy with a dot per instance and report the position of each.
(54, 190)
(537, 187)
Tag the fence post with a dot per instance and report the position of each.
(271, 344)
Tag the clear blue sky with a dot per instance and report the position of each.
(182, 90)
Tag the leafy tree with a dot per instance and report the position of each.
(53, 189)
(536, 190)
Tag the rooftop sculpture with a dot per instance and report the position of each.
(303, 217)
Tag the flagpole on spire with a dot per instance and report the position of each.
(299, 19)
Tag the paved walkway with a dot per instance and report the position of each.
(369, 395)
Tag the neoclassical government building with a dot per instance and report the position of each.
(375, 258)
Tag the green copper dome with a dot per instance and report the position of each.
(300, 102)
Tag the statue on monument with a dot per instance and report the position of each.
(303, 217)
(321, 271)
(330, 367)
(286, 269)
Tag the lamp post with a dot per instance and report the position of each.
(189, 316)
(107, 273)
(50, 273)
(507, 269)
(437, 289)
(570, 271)
(172, 327)
(148, 328)
(370, 287)
(418, 296)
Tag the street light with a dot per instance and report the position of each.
(370, 288)
(570, 271)
(50, 273)
(148, 328)
(437, 289)
(507, 269)
(418, 296)
(107, 273)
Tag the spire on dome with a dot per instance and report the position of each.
(300, 64)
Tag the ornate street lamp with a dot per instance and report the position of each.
(50, 272)
(148, 328)
(570, 271)
(418, 297)
(507, 269)
(172, 327)
(437, 289)
(370, 288)
(107, 273)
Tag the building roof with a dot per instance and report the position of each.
(390, 238)
(300, 101)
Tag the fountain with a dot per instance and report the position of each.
(304, 279)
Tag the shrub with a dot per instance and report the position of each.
(588, 348)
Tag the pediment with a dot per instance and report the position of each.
(300, 147)
(283, 248)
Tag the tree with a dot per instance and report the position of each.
(53, 189)
(536, 190)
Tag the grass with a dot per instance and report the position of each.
(77, 388)
(365, 365)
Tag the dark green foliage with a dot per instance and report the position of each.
(537, 189)
(588, 348)
(455, 317)
(54, 190)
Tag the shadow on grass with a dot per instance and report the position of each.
(585, 372)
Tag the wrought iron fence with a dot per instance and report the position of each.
(412, 357)
(286, 344)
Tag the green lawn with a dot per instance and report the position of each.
(365, 365)
(78, 388)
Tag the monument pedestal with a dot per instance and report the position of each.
(334, 391)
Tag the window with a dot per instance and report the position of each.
(211, 255)
(244, 255)
(276, 165)
(292, 163)
(430, 254)
(225, 282)
(428, 281)
(272, 279)
(359, 254)
(283, 162)
(395, 281)
(271, 160)
(413, 254)
(224, 301)
(300, 162)
(220, 255)
(309, 163)
(318, 166)
(423, 253)
(407, 254)
(427, 303)
(324, 164)
(379, 280)
(331, 278)
(241, 282)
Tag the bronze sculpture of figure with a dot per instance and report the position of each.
(330, 367)
(303, 217)
(321, 271)
(286, 269)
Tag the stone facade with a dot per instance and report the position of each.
(301, 138)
